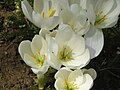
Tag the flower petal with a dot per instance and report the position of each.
(116, 11)
(30, 61)
(38, 5)
(53, 61)
(76, 76)
(63, 73)
(36, 44)
(25, 47)
(88, 82)
(50, 23)
(79, 61)
(41, 70)
(91, 14)
(94, 41)
(75, 8)
(37, 19)
(59, 84)
(67, 17)
(77, 44)
(53, 47)
(107, 6)
(27, 9)
(64, 34)
(91, 72)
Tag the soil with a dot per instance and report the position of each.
(16, 75)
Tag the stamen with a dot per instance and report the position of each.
(100, 18)
(51, 12)
(39, 58)
(65, 54)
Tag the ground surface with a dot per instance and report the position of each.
(16, 75)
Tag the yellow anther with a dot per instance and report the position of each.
(35, 57)
(66, 57)
(39, 52)
(71, 57)
(65, 48)
(44, 57)
(51, 12)
(70, 51)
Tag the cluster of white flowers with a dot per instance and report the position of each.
(77, 39)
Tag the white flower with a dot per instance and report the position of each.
(67, 79)
(75, 16)
(34, 54)
(101, 14)
(67, 49)
(44, 14)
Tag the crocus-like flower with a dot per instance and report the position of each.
(44, 14)
(75, 16)
(67, 49)
(67, 79)
(101, 14)
(34, 54)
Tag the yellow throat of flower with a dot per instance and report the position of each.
(39, 58)
(70, 86)
(100, 18)
(65, 54)
(50, 13)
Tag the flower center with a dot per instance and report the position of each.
(50, 13)
(65, 54)
(39, 58)
(70, 86)
(100, 18)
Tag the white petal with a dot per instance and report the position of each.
(50, 23)
(88, 82)
(46, 7)
(44, 48)
(53, 61)
(25, 47)
(77, 44)
(38, 5)
(91, 14)
(83, 4)
(27, 9)
(64, 4)
(91, 72)
(41, 70)
(107, 6)
(116, 11)
(53, 47)
(37, 19)
(43, 32)
(76, 76)
(75, 8)
(110, 22)
(78, 61)
(95, 42)
(59, 84)
(67, 17)
(63, 73)
(36, 44)
(30, 61)
(84, 29)
(64, 34)
(98, 5)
